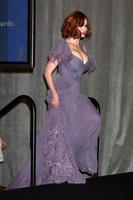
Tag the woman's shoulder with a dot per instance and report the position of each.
(60, 43)
(61, 51)
(59, 46)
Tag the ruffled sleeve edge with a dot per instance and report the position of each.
(60, 53)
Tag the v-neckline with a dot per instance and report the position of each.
(77, 56)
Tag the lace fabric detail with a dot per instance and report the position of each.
(60, 52)
(57, 166)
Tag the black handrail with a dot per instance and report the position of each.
(32, 107)
(95, 103)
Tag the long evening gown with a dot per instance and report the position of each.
(67, 142)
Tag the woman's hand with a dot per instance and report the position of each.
(55, 101)
(2, 143)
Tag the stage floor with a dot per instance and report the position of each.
(118, 186)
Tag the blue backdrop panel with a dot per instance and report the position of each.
(14, 31)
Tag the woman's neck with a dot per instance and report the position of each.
(73, 41)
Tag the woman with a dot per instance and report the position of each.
(2, 146)
(2, 143)
(67, 143)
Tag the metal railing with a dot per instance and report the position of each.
(32, 107)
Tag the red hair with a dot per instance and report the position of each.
(71, 23)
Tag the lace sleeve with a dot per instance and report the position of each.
(60, 52)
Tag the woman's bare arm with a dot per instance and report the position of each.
(50, 68)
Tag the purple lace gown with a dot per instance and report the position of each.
(67, 142)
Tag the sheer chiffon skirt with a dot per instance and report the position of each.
(66, 145)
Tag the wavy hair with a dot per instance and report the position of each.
(71, 23)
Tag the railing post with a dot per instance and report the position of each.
(33, 144)
(32, 107)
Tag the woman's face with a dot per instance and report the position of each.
(83, 29)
